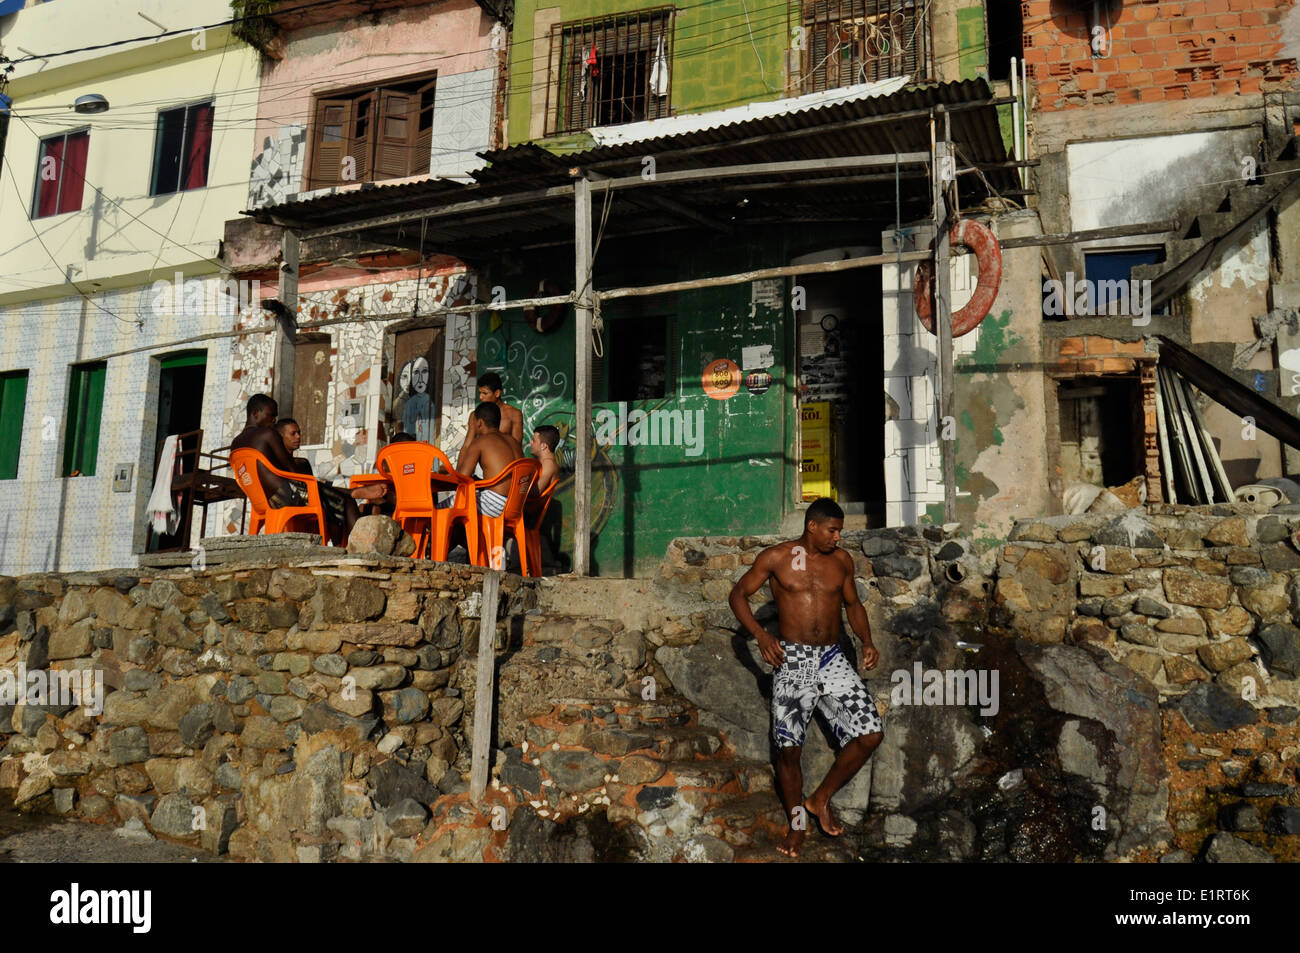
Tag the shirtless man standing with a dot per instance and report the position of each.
(512, 418)
(811, 578)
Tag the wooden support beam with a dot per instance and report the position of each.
(944, 169)
(582, 275)
(467, 209)
(484, 687)
(287, 321)
(816, 268)
(1089, 235)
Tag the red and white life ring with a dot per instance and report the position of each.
(547, 319)
(988, 254)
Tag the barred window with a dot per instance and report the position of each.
(845, 42)
(609, 71)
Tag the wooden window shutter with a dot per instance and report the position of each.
(395, 134)
(330, 141)
(423, 150)
(362, 144)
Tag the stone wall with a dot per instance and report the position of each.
(310, 711)
(1124, 648)
(633, 721)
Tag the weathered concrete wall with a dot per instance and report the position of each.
(362, 359)
(454, 39)
(999, 413)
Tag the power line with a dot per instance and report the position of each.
(36, 233)
(100, 192)
(167, 33)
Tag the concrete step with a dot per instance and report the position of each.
(631, 602)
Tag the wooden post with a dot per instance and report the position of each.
(582, 378)
(285, 339)
(943, 169)
(485, 686)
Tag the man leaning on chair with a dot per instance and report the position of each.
(259, 434)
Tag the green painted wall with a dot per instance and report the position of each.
(717, 52)
(744, 478)
(972, 50)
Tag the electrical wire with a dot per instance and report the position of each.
(139, 325)
(180, 198)
(135, 218)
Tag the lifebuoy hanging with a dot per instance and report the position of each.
(988, 253)
(547, 319)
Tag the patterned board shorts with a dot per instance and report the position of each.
(490, 503)
(820, 676)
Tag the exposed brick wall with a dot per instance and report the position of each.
(1090, 355)
(1158, 50)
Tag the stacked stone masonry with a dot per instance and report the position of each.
(1149, 661)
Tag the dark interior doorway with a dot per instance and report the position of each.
(841, 356)
(180, 411)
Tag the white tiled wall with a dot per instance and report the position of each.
(913, 461)
(79, 523)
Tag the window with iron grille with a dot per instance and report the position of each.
(372, 134)
(859, 41)
(609, 71)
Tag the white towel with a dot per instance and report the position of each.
(659, 72)
(162, 512)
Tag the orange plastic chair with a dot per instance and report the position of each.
(409, 464)
(492, 529)
(534, 513)
(244, 463)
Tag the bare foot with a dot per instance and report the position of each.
(793, 841)
(830, 824)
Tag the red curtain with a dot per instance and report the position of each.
(72, 180)
(47, 198)
(200, 144)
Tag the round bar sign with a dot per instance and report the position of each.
(721, 379)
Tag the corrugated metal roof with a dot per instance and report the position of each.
(842, 128)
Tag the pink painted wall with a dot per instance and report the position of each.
(453, 36)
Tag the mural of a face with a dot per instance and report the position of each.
(404, 378)
(420, 375)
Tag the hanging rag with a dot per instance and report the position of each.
(163, 513)
(659, 73)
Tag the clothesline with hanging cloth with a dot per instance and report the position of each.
(165, 506)
(659, 72)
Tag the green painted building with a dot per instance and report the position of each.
(669, 459)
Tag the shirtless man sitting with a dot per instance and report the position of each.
(545, 439)
(259, 434)
(491, 450)
(291, 434)
(512, 418)
(811, 579)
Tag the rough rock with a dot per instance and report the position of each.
(1210, 707)
(1227, 849)
(375, 534)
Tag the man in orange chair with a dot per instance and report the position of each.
(492, 450)
(259, 434)
(545, 439)
(291, 434)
